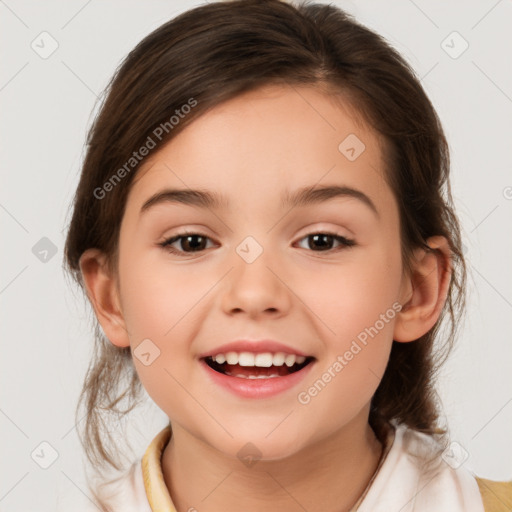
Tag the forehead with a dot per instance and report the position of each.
(266, 142)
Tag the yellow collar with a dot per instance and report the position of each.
(156, 490)
(160, 500)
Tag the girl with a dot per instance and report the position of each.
(265, 231)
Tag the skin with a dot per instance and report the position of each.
(315, 456)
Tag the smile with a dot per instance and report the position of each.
(257, 375)
(257, 366)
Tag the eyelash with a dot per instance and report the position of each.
(166, 244)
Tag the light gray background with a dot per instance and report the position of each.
(47, 105)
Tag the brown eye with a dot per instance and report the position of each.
(186, 243)
(323, 242)
(189, 243)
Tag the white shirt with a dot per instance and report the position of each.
(412, 477)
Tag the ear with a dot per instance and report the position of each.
(424, 291)
(103, 294)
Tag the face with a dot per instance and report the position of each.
(321, 277)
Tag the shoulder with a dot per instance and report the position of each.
(417, 474)
(497, 496)
(125, 493)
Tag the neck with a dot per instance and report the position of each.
(329, 475)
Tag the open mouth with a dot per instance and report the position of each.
(256, 372)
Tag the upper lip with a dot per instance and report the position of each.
(256, 346)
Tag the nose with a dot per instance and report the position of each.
(257, 286)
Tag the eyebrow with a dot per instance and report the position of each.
(301, 197)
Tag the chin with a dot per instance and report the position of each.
(254, 446)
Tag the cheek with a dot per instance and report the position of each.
(351, 296)
(152, 311)
(357, 306)
(354, 361)
(155, 294)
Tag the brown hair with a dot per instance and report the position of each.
(213, 53)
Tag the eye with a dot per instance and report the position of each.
(190, 242)
(325, 240)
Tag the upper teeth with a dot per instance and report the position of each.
(264, 359)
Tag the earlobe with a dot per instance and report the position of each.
(424, 291)
(104, 297)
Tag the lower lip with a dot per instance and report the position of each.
(257, 388)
